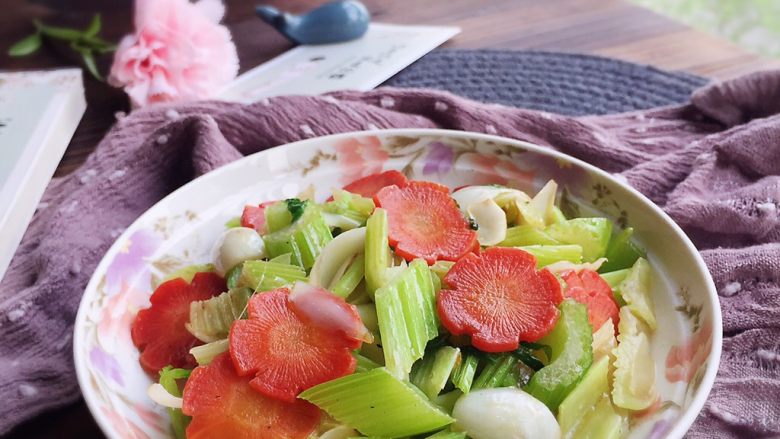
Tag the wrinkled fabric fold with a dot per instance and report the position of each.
(712, 164)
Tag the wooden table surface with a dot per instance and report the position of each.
(602, 27)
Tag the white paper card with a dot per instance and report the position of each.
(355, 65)
(39, 112)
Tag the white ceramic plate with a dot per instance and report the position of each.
(181, 229)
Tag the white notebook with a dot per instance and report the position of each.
(361, 64)
(39, 112)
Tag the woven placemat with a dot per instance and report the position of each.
(563, 83)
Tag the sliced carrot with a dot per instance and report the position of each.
(368, 186)
(284, 352)
(223, 405)
(499, 299)
(588, 288)
(425, 222)
(159, 332)
(254, 217)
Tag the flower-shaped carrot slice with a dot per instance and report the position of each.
(159, 332)
(425, 222)
(224, 405)
(588, 288)
(499, 299)
(285, 351)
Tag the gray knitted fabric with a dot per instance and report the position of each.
(570, 84)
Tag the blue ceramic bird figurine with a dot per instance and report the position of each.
(333, 22)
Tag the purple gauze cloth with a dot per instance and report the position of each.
(713, 165)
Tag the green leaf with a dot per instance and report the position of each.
(94, 26)
(89, 62)
(26, 46)
(62, 33)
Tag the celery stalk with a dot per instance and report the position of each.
(364, 363)
(205, 353)
(210, 319)
(376, 253)
(304, 238)
(277, 216)
(441, 268)
(351, 278)
(526, 235)
(406, 311)
(572, 355)
(377, 404)
(463, 375)
(548, 254)
(622, 252)
(367, 312)
(495, 373)
(614, 278)
(593, 386)
(592, 234)
(432, 372)
(558, 215)
(188, 272)
(352, 206)
(169, 380)
(267, 275)
(447, 400)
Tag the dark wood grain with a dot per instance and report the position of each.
(603, 27)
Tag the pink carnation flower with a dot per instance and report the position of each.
(179, 52)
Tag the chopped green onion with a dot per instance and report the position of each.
(377, 250)
(406, 311)
(351, 278)
(210, 319)
(526, 235)
(548, 254)
(495, 373)
(205, 353)
(267, 275)
(377, 404)
(295, 207)
(463, 375)
(527, 356)
(432, 372)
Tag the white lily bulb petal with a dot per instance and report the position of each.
(158, 394)
(491, 221)
(307, 194)
(504, 413)
(544, 201)
(237, 245)
(471, 195)
(325, 310)
(335, 254)
(561, 266)
(340, 221)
